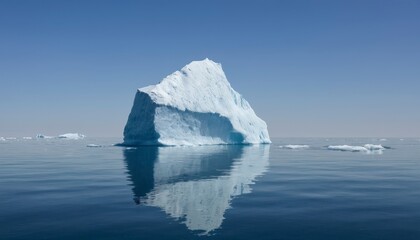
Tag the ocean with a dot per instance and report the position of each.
(294, 188)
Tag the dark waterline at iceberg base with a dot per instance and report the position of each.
(61, 189)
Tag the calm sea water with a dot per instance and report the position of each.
(61, 189)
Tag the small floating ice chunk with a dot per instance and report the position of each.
(368, 148)
(2, 139)
(93, 145)
(347, 148)
(383, 139)
(43, 136)
(10, 138)
(27, 138)
(291, 146)
(373, 147)
(74, 136)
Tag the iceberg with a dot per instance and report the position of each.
(74, 136)
(193, 106)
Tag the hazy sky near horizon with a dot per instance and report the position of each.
(308, 68)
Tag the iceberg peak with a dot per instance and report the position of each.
(193, 106)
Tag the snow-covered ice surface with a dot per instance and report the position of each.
(74, 136)
(193, 106)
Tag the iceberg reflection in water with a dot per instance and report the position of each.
(194, 185)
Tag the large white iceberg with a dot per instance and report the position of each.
(193, 106)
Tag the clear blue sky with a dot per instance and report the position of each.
(309, 68)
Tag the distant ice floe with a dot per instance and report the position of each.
(347, 148)
(3, 139)
(74, 136)
(373, 147)
(41, 136)
(368, 148)
(93, 145)
(291, 146)
(383, 139)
